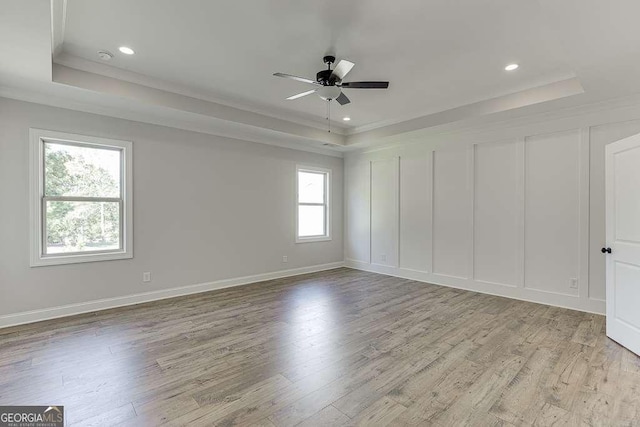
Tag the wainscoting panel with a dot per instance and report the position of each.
(497, 213)
(452, 215)
(358, 205)
(416, 175)
(552, 212)
(384, 212)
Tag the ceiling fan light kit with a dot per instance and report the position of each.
(328, 93)
(330, 82)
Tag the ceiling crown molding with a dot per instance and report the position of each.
(58, 96)
(75, 62)
(541, 94)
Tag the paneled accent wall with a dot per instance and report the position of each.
(520, 216)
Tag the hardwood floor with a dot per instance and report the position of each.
(342, 347)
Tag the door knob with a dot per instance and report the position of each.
(605, 250)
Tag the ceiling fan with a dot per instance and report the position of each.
(330, 82)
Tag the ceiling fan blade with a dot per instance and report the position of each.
(342, 69)
(342, 99)
(365, 85)
(300, 95)
(300, 79)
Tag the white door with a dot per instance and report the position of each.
(623, 242)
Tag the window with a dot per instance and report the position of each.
(81, 204)
(312, 205)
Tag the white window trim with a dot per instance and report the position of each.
(37, 137)
(327, 204)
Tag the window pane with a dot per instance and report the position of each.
(311, 221)
(82, 226)
(310, 187)
(81, 171)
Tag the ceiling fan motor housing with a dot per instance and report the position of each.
(325, 78)
(329, 59)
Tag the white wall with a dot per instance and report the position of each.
(205, 208)
(514, 210)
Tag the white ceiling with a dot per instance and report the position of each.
(438, 54)
(208, 65)
(25, 45)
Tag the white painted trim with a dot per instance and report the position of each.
(430, 189)
(572, 302)
(471, 188)
(108, 303)
(58, 25)
(432, 207)
(37, 138)
(489, 282)
(584, 209)
(396, 204)
(370, 211)
(521, 190)
(398, 208)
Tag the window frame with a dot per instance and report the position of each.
(37, 140)
(326, 204)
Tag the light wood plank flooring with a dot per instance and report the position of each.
(341, 347)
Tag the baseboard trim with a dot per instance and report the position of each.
(523, 294)
(108, 303)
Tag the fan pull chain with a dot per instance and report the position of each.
(329, 114)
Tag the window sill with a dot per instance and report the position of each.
(80, 258)
(313, 239)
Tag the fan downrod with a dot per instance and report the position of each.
(324, 77)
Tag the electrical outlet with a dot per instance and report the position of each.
(285, 258)
(383, 258)
(146, 276)
(574, 283)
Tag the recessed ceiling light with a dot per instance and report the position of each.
(126, 50)
(511, 67)
(346, 119)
